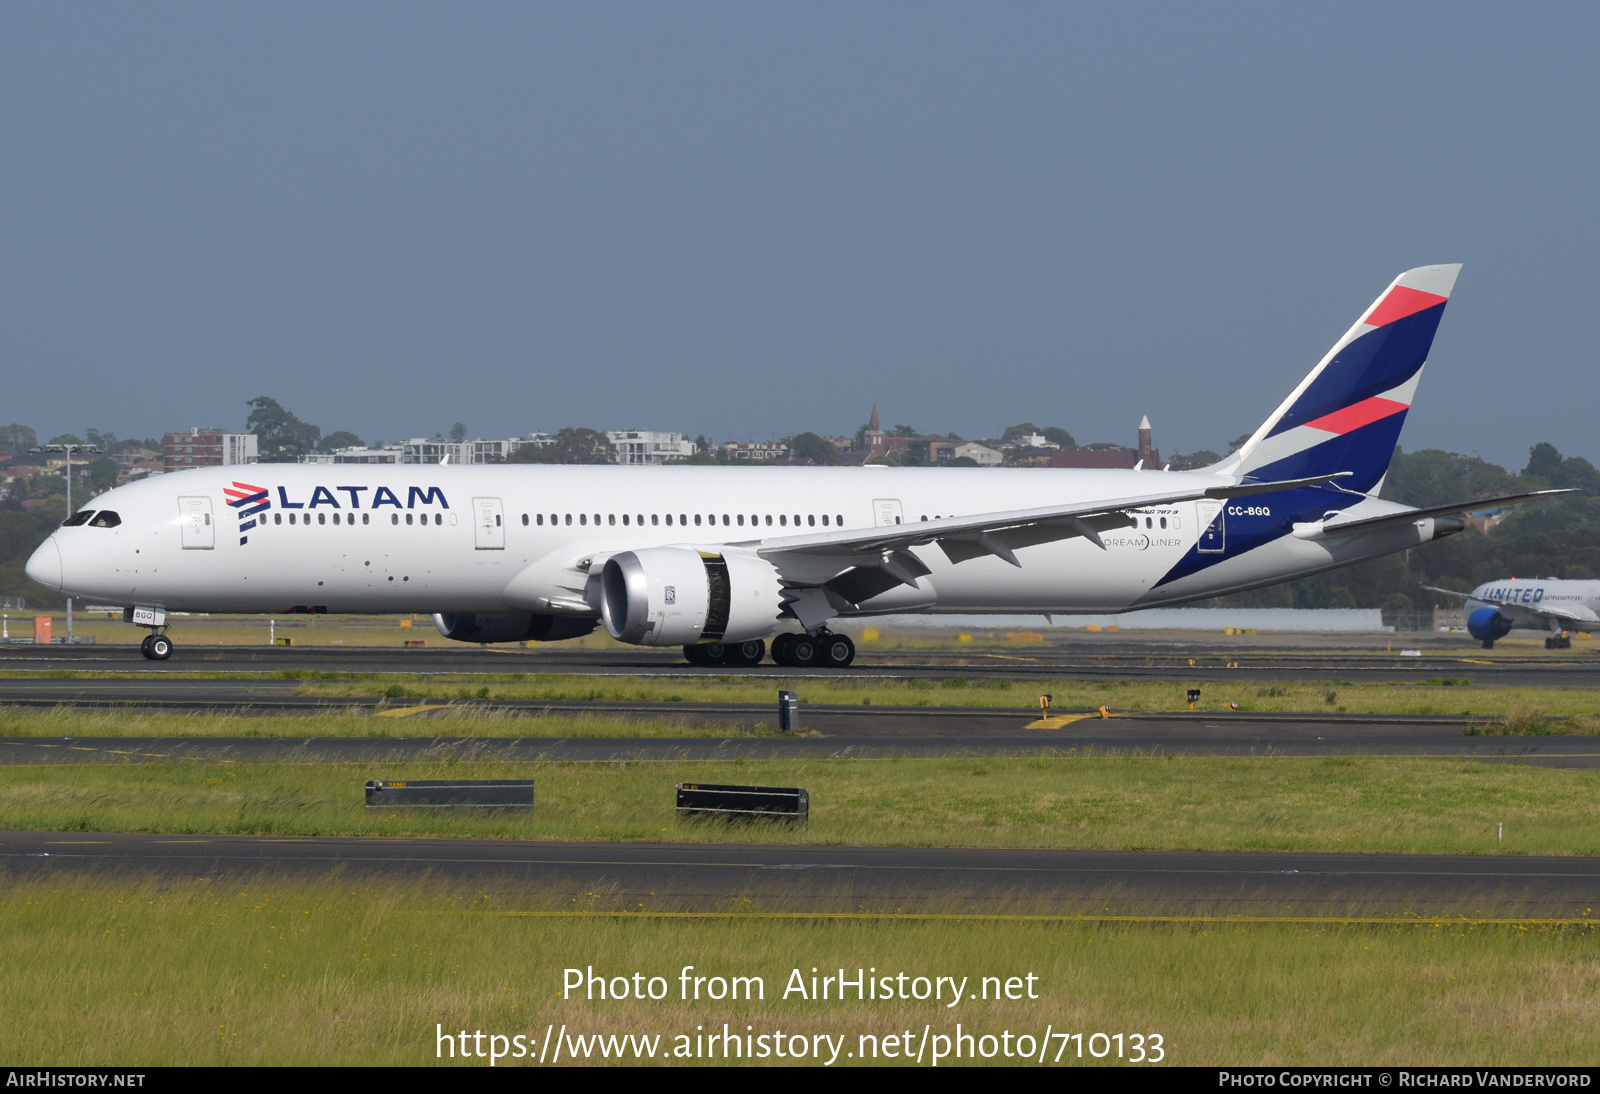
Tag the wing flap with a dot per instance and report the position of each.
(820, 558)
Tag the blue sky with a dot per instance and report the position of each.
(754, 219)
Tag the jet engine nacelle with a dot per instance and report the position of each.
(1488, 625)
(676, 596)
(485, 627)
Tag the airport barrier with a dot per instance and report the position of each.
(775, 802)
(451, 793)
(788, 712)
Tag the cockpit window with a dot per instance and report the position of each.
(105, 518)
(78, 518)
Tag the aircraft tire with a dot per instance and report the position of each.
(804, 651)
(837, 651)
(780, 648)
(160, 647)
(144, 646)
(695, 654)
(744, 654)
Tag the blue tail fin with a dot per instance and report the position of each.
(1347, 413)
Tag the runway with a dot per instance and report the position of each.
(707, 876)
(1071, 660)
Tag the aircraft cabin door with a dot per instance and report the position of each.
(1213, 527)
(198, 533)
(885, 511)
(489, 532)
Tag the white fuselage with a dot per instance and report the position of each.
(1520, 599)
(422, 538)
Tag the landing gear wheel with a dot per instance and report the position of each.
(780, 648)
(837, 651)
(695, 654)
(144, 647)
(744, 654)
(159, 648)
(804, 651)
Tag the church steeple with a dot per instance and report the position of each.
(872, 422)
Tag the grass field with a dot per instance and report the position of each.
(123, 973)
(468, 721)
(1327, 804)
(1451, 697)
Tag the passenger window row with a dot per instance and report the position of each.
(728, 520)
(366, 518)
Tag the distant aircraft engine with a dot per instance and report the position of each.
(484, 627)
(676, 596)
(1487, 625)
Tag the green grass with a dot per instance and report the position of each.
(1449, 699)
(130, 974)
(1238, 803)
(1446, 696)
(457, 721)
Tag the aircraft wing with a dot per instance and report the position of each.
(1334, 526)
(1562, 615)
(815, 559)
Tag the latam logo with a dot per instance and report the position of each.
(382, 496)
(247, 500)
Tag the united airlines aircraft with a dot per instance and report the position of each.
(1495, 608)
(718, 560)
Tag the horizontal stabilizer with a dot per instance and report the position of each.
(1334, 526)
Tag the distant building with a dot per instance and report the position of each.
(358, 454)
(206, 448)
(982, 455)
(637, 447)
(755, 450)
(423, 450)
(1112, 455)
(125, 458)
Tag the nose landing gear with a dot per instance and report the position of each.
(156, 647)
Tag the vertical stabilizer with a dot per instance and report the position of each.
(1347, 413)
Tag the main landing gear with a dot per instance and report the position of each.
(799, 651)
(822, 650)
(157, 647)
(732, 654)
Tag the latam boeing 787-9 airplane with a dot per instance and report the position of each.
(718, 560)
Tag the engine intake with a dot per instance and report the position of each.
(487, 627)
(1488, 625)
(675, 596)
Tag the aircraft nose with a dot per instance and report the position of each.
(44, 568)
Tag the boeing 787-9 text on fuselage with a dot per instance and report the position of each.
(718, 560)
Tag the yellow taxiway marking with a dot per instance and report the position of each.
(1473, 661)
(1057, 721)
(180, 841)
(1007, 657)
(73, 842)
(402, 712)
